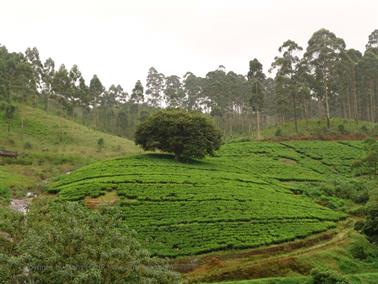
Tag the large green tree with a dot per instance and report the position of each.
(173, 91)
(186, 134)
(137, 94)
(154, 87)
(286, 66)
(322, 54)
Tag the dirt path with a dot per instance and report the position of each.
(260, 262)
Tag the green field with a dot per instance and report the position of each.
(246, 196)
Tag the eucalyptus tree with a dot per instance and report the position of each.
(256, 78)
(286, 66)
(303, 78)
(174, 92)
(96, 91)
(216, 90)
(373, 40)
(193, 89)
(32, 57)
(17, 79)
(367, 69)
(346, 80)
(62, 88)
(154, 87)
(48, 72)
(322, 54)
(137, 94)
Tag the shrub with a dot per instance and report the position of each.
(370, 227)
(342, 129)
(278, 132)
(28, 146)
(358, 251)
(327, 277)
(364, 129)
(186, 134)
(359, 225)
(100, 144)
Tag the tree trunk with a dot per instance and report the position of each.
(327, 105)
(295, 113)
(258, 124)
(354, 94)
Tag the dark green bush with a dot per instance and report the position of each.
(364, 129)
(370, 227)
(100, 144)
(278, 132)
(342, 129)
(28, 146)
(327, 277)
(358, 251)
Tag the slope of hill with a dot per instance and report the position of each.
(49, 145)
(246, 196)
(313, 129)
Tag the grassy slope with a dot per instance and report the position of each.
(361, 278)
(244, 197)
(49, 145)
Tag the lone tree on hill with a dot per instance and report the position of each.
(186, 134)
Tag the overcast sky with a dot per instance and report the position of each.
(120, 39)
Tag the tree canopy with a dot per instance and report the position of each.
(187, 134)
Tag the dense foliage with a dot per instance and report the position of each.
(67, 243)
(323, 80)
(248, 195)
(186, 134)
(370, 227)
(369, 162)
(327, 277)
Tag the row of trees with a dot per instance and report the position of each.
(326, 79)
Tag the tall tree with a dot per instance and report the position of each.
(137, 94)
(61, 85)
(154, 87)
(287, 65)
(367, 69)
(256, 78)
(173, 91)
(322, 54)
(193, 88)
(346, 81)
(32, 57)
(48, 72)
(95, 91)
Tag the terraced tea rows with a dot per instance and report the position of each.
(238, 199)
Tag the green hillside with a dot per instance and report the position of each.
(49, 145)
(248, 195)
(363, 278)
(318, 128)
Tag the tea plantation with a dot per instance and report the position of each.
(250, 194)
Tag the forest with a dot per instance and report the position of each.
(325, 79)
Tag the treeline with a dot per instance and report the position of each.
(323, 80)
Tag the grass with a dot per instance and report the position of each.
(49, 145)
(361, 278)
(246, 196)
